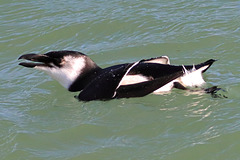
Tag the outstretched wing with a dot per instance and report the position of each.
(145, 88)
(159, 60)
(109, 84)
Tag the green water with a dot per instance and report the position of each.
(40, 120)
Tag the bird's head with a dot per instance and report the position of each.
(63, 66)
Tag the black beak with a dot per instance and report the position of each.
(42, 59)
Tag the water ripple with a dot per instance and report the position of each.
(39, 119)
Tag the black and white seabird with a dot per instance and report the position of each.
(77, 72)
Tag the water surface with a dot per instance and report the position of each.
(41, 120)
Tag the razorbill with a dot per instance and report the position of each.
(77, 72)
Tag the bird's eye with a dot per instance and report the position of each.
(58, 62)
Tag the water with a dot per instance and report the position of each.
(40, 120)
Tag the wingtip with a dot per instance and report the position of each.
(208, 63)
(214, 60)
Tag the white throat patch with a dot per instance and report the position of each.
(66, 74)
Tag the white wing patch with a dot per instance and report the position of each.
(125, 80)
(133, 79)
